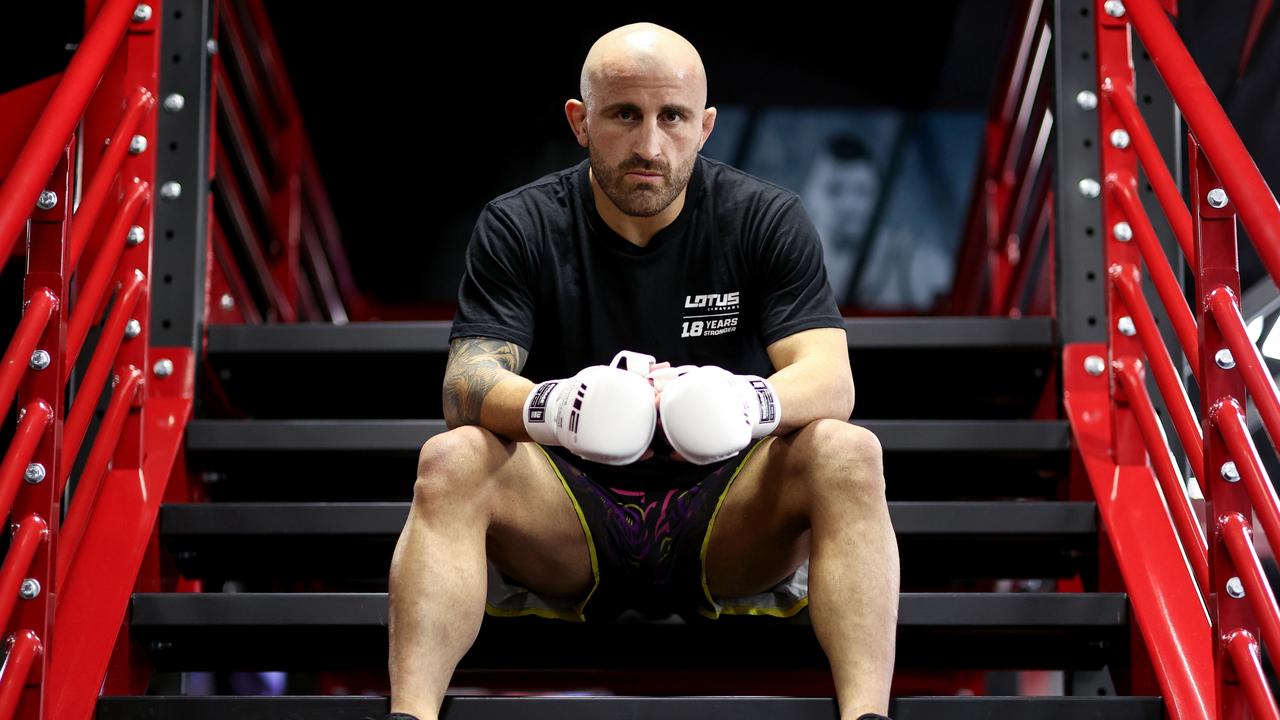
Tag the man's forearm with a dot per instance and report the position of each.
(482, 387)
(809, 391)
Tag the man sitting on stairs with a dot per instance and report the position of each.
(693, 486)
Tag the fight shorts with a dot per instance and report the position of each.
(648, 553)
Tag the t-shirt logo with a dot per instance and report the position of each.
(709, 314)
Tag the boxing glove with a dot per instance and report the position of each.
(710, 414)
(603, 414)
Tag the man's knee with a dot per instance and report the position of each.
(844, 461)
(454, 464)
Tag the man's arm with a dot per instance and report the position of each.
(482, 386)
(813, 379)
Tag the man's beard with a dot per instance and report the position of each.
(639, 199)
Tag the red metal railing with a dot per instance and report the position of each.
(1231, 598)
(1010, 219)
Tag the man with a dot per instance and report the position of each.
(648, 247)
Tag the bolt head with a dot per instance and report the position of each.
(1122, 231)
(1235, 588)
(171, 190)
(1217, 198)
(174, 102)
(1090, 188)
(1087, 100)
(1095, 365)
(163, 367)
(226, 302)
(30, 589)
(39, 360)
(136, 235)
(138, 144)
(1126, 327)
(1224, 359)
(35, 473)
(1229, 472)
(48, 200)
(1114, 8)
(142, 13)
(132, 329)
(1119, 139)
(211, 46)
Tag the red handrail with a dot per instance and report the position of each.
(24, 648)
(36, 419)
(95, 467)
(1204, 114)
(1162, 182)
(30, 533)
(31, 170)
(1230, 420)
(35, 319)
(1167, 285)
(1242, 646)
(1129, 371)
(1244, 353)
(104, 176)
(1236, 532)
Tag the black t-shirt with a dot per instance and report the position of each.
(739, 268)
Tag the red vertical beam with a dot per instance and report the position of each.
(1218, 266)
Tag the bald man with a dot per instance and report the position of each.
(646, 246)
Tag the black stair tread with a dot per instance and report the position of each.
(423, 337)
(381, 518)
(351, 543)
(967, 610)
(637, 708)
(349, 630)
(978, 436)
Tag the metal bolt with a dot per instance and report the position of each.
(211, 46)
(1087, 100)
(1217, 198)
(1122, 231)
(1224, 359)
(1119, 139)
(1125, 326)
(142, 13)
(48, 200)
(138, 144)
(115, 380)
(22, 412)
(163, 367)
(39, 360)
(1235, 588)
(174, 102)
(1090, 188)
(1095, 365)
(1114, 8)
(30, 589)
(1229, 472)
(34, 473)
(226, 302)
(171, 190)
(136, 235)
(131, 329)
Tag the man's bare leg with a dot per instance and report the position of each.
(477, 497)
(820, 492)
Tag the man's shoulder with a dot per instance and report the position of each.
(549, 193)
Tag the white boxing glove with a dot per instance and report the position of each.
(710, 414)
(603, 414)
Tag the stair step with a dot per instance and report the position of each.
(636, 708)
(937, 542)
(406, 436)
(289, 370)
(263, 460)
(195, 631)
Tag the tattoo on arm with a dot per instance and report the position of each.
(473, 370)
